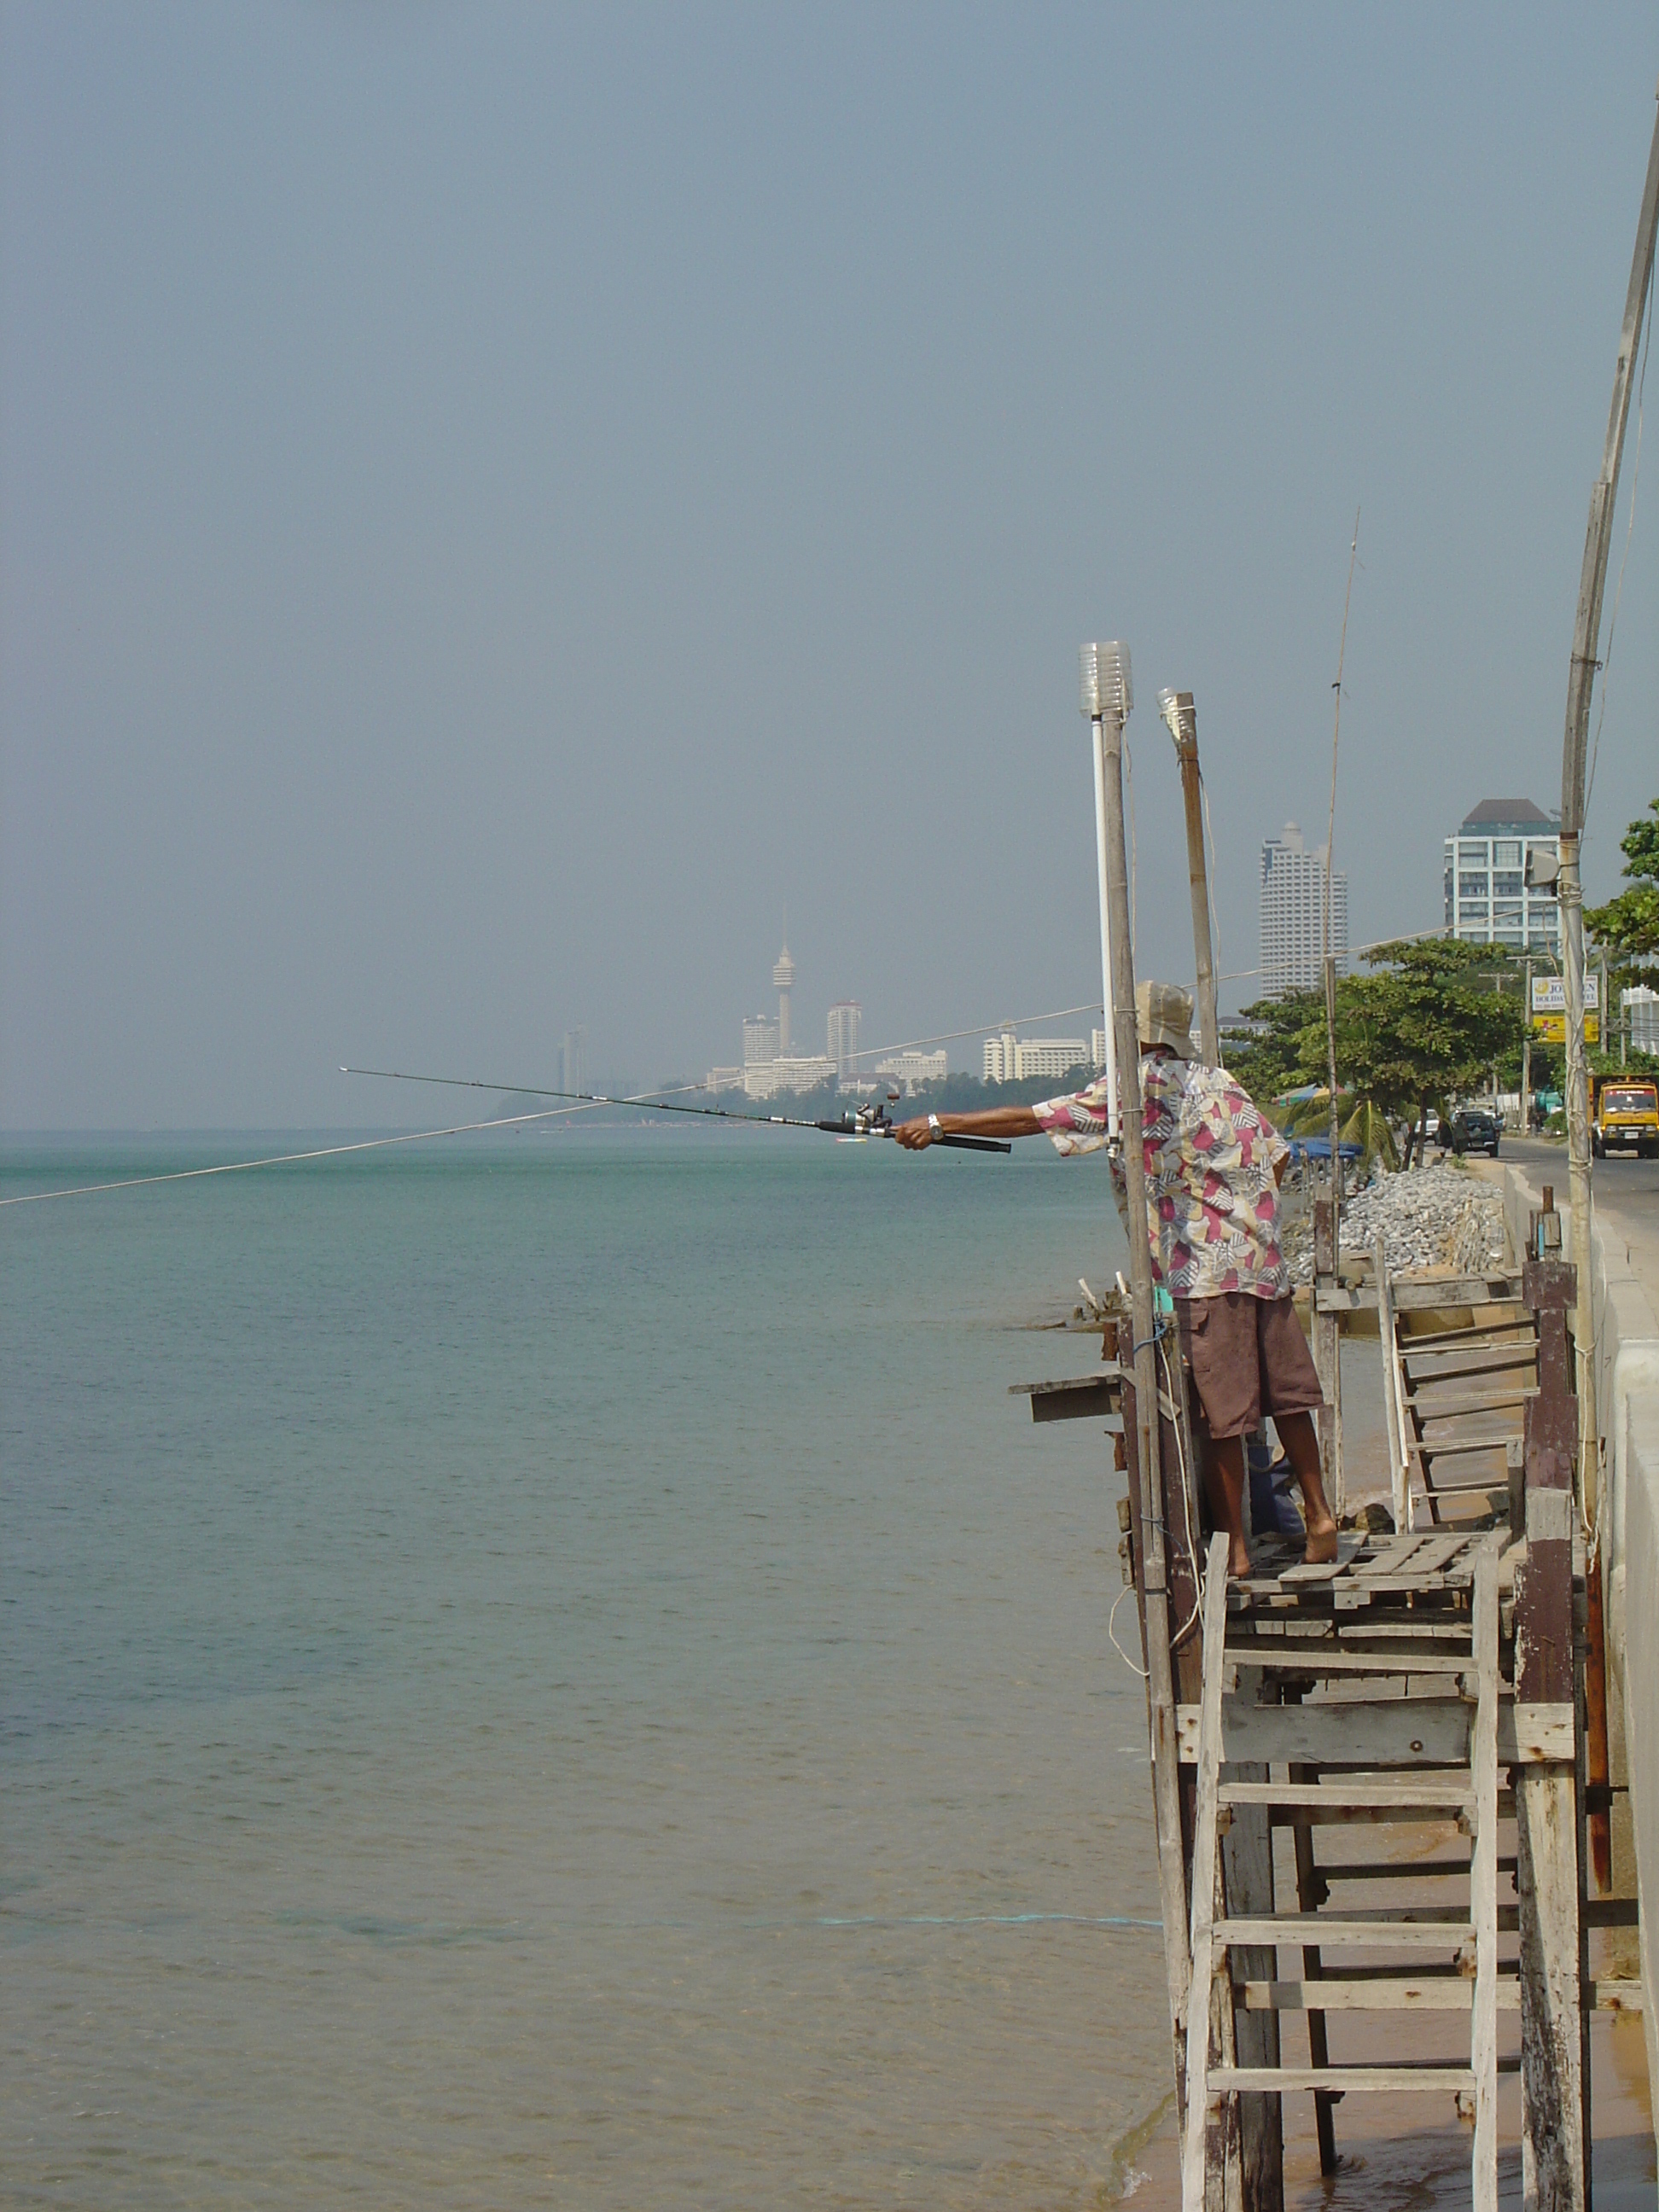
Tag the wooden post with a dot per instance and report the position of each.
(1166, 1794)
(1182, 716)
(1247, 1867)
(1327, 1351)
(1554, 2073)
(1400, 1476)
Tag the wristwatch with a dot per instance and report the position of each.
(932, 1123)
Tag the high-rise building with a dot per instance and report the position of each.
(842, 1043)
(1486, 898)
(760, 1040)
(1293, 914)
(783, 978)
(573, 1061)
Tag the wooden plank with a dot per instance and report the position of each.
(1552, 2120)
(1460, 1363)
(1538, 1732)
(1203, 1954)
(1328, 1993)
(1379, 1815)
(1413, 1294)
(1387, 1330)
(1480, 1401)
(1432, 1556)
(1400, 1732)
(1088, 1397)
(1414, 2081)
(1470, 1339)
(1459, 1446)
(1348, 1547)
(1350, 1931)
(1422, 1792)
(1293, 1655)
(1391, 1559)
(1483, 1881)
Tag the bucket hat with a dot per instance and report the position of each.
(1163, 1013)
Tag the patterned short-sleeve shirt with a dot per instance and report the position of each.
(1212, 1187)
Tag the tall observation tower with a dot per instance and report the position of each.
(783, 977)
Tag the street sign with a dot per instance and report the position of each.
(1549, 1009)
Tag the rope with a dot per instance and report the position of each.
(1134, 1666)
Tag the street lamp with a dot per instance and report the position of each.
(1107, 690)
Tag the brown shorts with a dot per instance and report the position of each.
(1248, 1357)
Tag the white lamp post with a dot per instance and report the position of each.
(1108, 695)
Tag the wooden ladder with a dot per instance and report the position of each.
(1454, 1395)
(1389, 1744)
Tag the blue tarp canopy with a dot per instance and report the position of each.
(1319, 1148)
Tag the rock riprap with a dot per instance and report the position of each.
(1430, 1217)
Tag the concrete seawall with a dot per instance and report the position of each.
(1624, 1264)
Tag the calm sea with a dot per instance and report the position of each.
(553, 1672)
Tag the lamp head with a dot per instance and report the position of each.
(1176, 709)
(1107, 687)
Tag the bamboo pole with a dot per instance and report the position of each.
(1166, 1798)
(1182, 716)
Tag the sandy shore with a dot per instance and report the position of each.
(1399, 2153)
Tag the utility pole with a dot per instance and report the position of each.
(1094, 709)
(1182, 716)
(1581, 679)
(1526, 1049)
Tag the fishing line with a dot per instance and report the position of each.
(981, 1029)
(285, 1159)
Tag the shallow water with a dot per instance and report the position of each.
(554, 1671)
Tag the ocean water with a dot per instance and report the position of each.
(553, 1672)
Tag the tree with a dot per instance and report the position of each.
(1628, 925)
(1264, 1054)
(1423, 1026)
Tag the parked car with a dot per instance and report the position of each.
(1474, 1130)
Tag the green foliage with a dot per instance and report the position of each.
(1422, 1027)
(1264, 1053)
(1628, 925)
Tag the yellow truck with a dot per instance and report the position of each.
(1625, 1116)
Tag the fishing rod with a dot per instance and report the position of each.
(851, 1128)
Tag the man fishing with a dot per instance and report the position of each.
(1214, 1168)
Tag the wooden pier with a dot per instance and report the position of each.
(1388, 1789)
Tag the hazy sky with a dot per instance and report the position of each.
(495, 502)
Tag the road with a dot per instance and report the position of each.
(1625, 1191)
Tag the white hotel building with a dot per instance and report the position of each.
(1486, 898)
(1009, 1058)
(1293, 914)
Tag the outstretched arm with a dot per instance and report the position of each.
(996, 1121)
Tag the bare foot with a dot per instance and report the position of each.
(1240, 1566)
(1321, 1544)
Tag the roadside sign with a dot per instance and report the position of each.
(1549, 1009)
